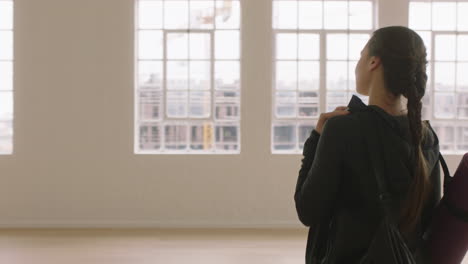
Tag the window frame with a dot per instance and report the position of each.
(10, 133)
(188, 121)
(323, 61)
(440, 124)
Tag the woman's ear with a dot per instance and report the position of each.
(374, 63)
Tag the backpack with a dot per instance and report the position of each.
(447, 237)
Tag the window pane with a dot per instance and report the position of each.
(150, 74)
(309, 75)
(176, 14)
(6, 137)
(304, 133)
(284, 136)
(201, 136)
(309, 47)
(285, 14)
(336, 14)
(337, 75)
(6, 106)
(150, 105)
(150, 44)
(227, 75)
(227, 105)
(420, 15)
(177, 46)
(149, 14)
(360, 15)
(227, 137)
(228, 14)
(429, 74)
(308, 104)
(286, 75)
(177, 75)
(444, 15)
(201, 14)
(356, 45)
(352, 76)
(446, 134)
(335, 99)
(310, 14)
(6, 75)
(227, 44)
(200, 77)
(462, 105)
(444, 105)
(200, 104)
(462, 76)
(462, 142)
(286, 46)
(176, 137)
(286, 104)
(337, 46)
(6, 15)
(462, 51)
(444, 76)
(176, 104)
(200, 46)
(228, 96)
(445, 47)
(6, 48)
(462, 18)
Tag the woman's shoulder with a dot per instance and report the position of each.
(342, 126)
(346, 122)
(430, 139)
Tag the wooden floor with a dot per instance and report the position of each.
(138, 246)
(155, 246)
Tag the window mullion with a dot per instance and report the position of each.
(323, 73)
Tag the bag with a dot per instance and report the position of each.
(322, 243)
(447, 238)
(388, 245)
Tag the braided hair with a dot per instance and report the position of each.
(403, 57)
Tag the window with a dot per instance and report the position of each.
(444, 29)
(318, 44)
(6, 77)
(188, 77)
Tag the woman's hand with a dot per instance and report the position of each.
(340, 110)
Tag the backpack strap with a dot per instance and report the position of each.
(447, 178)
(453, 209)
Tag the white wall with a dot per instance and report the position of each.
(73, 163)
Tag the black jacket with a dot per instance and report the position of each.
(335, 179)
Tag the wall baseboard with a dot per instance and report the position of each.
(144, 224)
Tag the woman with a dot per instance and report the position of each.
(335, 179)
